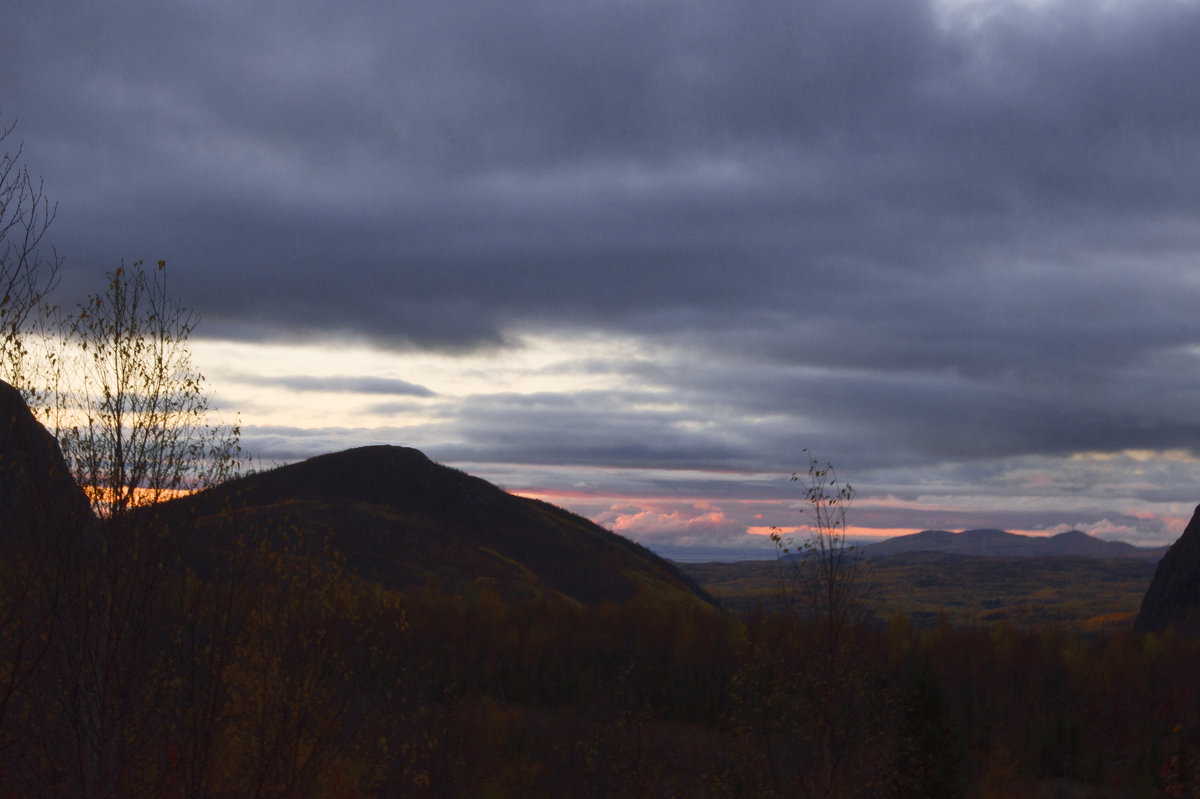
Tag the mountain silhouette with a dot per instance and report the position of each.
(394, 517)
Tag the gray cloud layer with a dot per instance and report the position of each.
(351, 385)
(936, 235)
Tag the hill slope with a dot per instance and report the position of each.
(396, 518)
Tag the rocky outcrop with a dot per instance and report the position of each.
(39, 499)
(1173, 597)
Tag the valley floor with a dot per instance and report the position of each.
(1072, 593)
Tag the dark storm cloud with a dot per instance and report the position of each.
(547, 429)
(927, 235)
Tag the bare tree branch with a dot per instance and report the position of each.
(27, 273)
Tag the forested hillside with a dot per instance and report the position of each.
(394, 518)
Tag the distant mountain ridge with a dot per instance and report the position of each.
(1002, 544)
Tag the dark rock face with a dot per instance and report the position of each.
(39, 499)
(1174, 594)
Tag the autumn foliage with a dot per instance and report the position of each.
(273, 670)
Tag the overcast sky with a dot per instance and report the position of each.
(635, 257)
